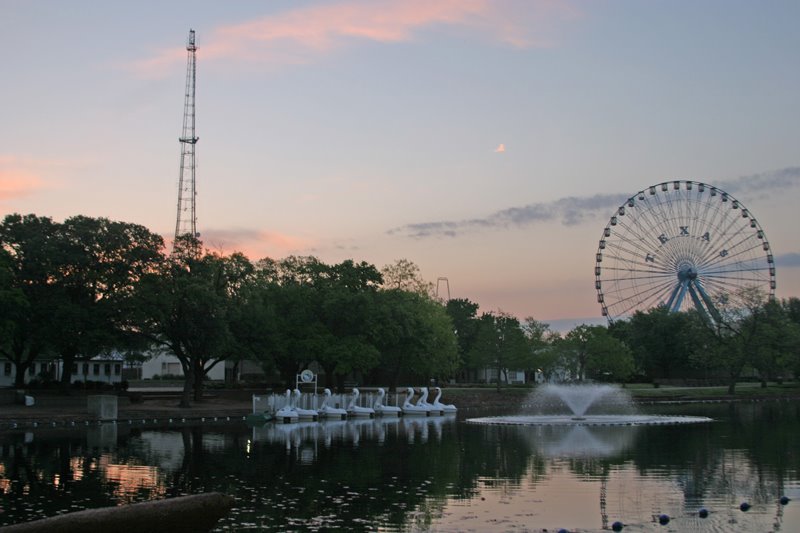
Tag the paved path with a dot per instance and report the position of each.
(155, 389)
(19, 416)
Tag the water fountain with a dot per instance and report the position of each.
(584, 405)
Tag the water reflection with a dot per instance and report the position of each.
(417, 474)
(128, 481)
(299, 436)
(578, 441)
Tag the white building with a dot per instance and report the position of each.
(41, 369)
(163, 364)
(105, 369)
(489, 375)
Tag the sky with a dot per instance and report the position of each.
(487, 141)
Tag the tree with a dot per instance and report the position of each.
(99, 261)
(185, 307)
(255, 322)
(404, 274)
(597, 355)
(792, 308)
(736, 333)
(791, 355)
(539, 338)
(464, 315)
(577, 341)
(248, 312)
(554, 360)
(281, 328)
(663, 343)
(415, 337)
(346, 294)
(318, 313)
(73, 278)
(767, 349)
(499, 344)
(13, 308)
(29, 245)
(609, 358)
(442, 359)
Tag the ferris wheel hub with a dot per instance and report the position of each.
(687, 273)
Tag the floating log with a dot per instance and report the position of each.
(189, 514)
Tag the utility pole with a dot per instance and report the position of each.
(186, 223)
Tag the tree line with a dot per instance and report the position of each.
(89, 286)
(752, 336)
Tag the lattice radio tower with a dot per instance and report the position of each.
(186, 223)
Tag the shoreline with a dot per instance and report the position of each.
(59, 412)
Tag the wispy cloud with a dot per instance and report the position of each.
(763, 183)
(570, 211)
(500, 148)
(304, 34)
(790, 260)
(574, 209)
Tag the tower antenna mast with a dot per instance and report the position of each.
(186, 223)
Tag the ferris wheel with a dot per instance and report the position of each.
(680, 244)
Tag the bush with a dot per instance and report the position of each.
(167, 377)
(42, 383)
(135, 397)
(98, 385)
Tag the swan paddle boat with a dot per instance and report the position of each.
(385, 410)
(328, 411)
(414, 409)
(423, 402)
(303, 414)
(446, 408)
(287, 414)
(355, 410)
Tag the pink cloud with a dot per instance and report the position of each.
(160, 64)
(255, 244)
(15, 178)
(323, 27)
(500, 148)
(303, 34)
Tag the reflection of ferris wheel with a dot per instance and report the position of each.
(680, 244)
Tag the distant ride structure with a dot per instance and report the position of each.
(680, 244)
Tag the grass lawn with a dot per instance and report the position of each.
(743, 390)
(647, 390)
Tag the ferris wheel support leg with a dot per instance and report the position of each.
(709, 304)
(676, 300)
(701, 308)
(672, 296)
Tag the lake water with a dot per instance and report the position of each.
(435, 474)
